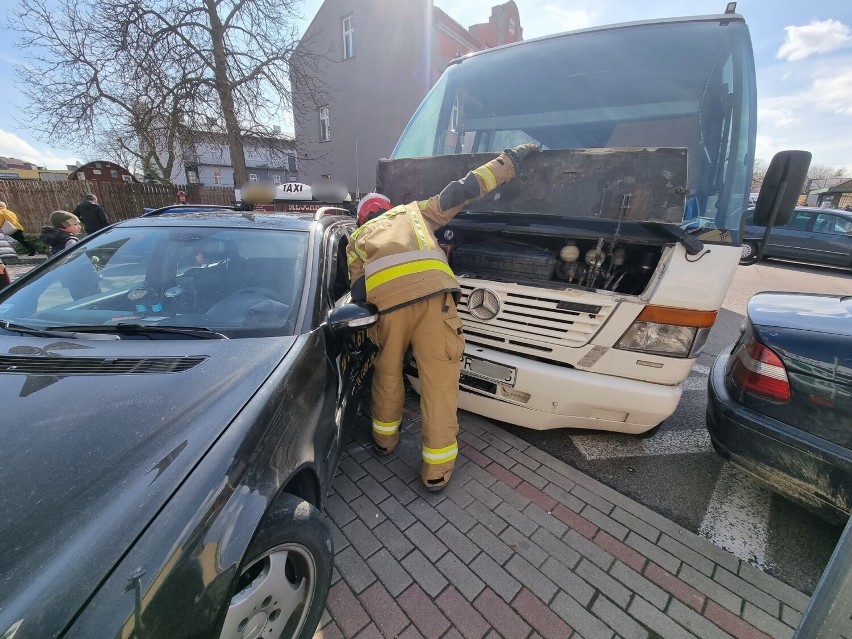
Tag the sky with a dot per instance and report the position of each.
(802, 49)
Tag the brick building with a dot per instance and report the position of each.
(385, 58)
(102, 171)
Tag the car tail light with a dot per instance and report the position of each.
(673, 332)
(759, 371)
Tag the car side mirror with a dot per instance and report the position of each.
(351, 318)
(781, 187)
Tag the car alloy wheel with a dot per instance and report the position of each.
(282, 588)
(749, 254)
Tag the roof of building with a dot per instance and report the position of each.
(843, 187)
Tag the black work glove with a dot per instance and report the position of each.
(520, 152)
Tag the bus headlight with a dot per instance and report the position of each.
(672, 332)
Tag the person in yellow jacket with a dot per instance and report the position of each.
(395, 263)
(18, 234)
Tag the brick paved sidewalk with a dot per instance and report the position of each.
(521, 545)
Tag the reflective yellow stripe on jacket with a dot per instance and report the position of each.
(487, 176)
(390, 267)
(425, 239)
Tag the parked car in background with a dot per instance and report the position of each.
(820, 236)
(780, 401)
(176, 390)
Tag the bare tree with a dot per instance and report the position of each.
(143, 75)
(757, 175)
(820, 176)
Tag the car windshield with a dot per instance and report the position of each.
(161, 281)
(686, 84)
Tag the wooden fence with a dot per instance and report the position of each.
(34, 200)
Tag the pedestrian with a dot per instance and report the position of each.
(62, 232)
(6, 251)
(14, 229)
(91, 214)
(395, 263)
(181, 198)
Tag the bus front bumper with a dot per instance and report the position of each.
(543, 396)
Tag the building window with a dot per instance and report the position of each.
(325, 124)
(348, 38)
(276, 179)
(252, 177)
(217, 177)
(113, 173)
(512, 27)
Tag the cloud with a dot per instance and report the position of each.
(15, 147)
(817, 37)
(558, 19)
(779, 117)
(833, 93)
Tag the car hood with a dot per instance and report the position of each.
(89, 456)
(803, 311)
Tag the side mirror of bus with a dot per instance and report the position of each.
(781, 188)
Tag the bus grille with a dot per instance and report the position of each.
(536, 320)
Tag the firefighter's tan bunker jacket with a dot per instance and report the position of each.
(395, 263)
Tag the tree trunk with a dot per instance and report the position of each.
(226, 98)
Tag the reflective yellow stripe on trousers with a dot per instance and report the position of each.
(440, 455)
(386, 428)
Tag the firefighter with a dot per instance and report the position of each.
(395, 263)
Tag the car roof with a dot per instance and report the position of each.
(819, 209)
(816, 209)
(229, 216)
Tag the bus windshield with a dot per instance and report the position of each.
(686, 83)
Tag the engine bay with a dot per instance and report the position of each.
(553, 261)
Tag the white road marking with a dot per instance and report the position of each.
(612, 445)
(737, 517)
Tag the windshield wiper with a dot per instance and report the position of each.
(200, 332)
(39, 332)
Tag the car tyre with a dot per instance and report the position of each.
(749, 254)
(285, 576)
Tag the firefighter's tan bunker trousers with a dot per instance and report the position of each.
(434, 330)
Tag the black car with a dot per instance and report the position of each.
(175, 392)
(815, 235)
(780, 402)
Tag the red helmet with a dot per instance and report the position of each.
(371, 203)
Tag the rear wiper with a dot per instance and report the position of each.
(201, 332)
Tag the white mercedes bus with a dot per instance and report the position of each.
(590, 283)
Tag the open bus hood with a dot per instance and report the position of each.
(638, 184)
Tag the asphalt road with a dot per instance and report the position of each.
(676, 472)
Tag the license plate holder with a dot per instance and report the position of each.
(490, 371)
